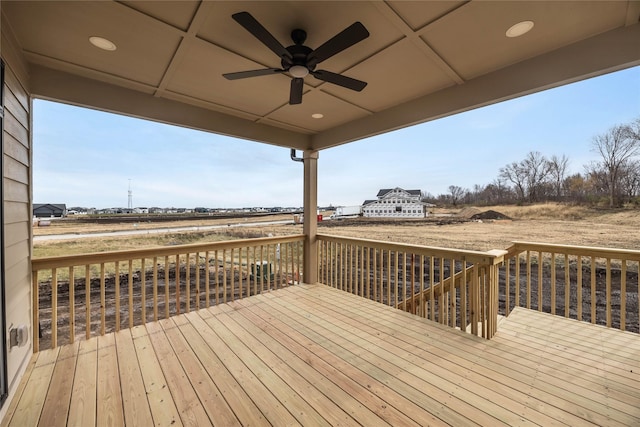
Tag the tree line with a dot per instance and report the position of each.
(613, 179)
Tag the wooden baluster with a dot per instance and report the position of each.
(217, 276)
(396, 267)
(166, 286)
(117, 294)
(224, 274)
(54, 307)
(143, 290)
(375, 275)
(528, 295)
(197, 266)
(579, 286)
(187, 283)
(35, 290)
(594, 298)
(282, 282)
(540, 288)
(232, 279)
(442, 306)
(567, 286)
(72, 305)
(452, 293)
(463, 296)
(517, 282)
(102, 300)
(178, 286)
(130, 293)
(475, 297)
(87, 297)
(431, 285)
(351, 268)
(207, 279)
(507, 286)
(623, 294)
(608, 284)
(553, 283)
(155, 288)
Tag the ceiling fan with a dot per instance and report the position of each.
(299, 60)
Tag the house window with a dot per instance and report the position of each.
(398, 208)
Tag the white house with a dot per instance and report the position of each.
(395, 203)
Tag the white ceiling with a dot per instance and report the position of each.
(422, 60)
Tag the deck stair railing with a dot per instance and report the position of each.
(454, 287)
(597, 285)
(93, 294)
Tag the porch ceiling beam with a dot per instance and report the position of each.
(608, 52)
(64, 87)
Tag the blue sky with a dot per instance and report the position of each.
(86, 158)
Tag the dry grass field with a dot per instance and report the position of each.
(546, 223)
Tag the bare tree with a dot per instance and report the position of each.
(515, 174)
(630, 179)
(576, 188)
(557, 170)
(536, 170)
(615, 147)
(528, 176)
(456, 194)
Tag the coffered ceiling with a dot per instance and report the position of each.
(422, 60)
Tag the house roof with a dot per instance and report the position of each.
(422, 60)
(60, 206)
(384, 191)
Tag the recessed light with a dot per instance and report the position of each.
(519, 29)
(317, 115)
(102, 43)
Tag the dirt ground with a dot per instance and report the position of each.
(444, 228)
(450, 228)
(543, 224)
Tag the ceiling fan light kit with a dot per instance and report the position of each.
(299, 60)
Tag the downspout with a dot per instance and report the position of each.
(294, 158)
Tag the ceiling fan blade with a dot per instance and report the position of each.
(295, 97)
(254, 27)
(340, 80)
(351, 35)
(252, 73)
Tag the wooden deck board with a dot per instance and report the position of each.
(56, 407)
(109, 398)
(546, 395)
(313, 355)
(528, 367)
(134, 396)
(82, 411)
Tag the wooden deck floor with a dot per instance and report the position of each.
(312, 355)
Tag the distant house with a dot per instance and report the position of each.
(49, 210)
(395, 203)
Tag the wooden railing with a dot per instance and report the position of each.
(93, 294)
(454, 287)
(598, 285)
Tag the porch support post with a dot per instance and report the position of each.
(310, 226)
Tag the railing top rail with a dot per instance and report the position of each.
(599, 252)
(484, 258)
(111, 256)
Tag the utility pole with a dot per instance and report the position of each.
(130, 205)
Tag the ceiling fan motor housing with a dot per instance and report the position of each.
(299, 52)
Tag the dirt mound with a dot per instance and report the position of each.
(468, 213)
(489, 215)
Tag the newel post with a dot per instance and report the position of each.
(310, 225)
(492, 291)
